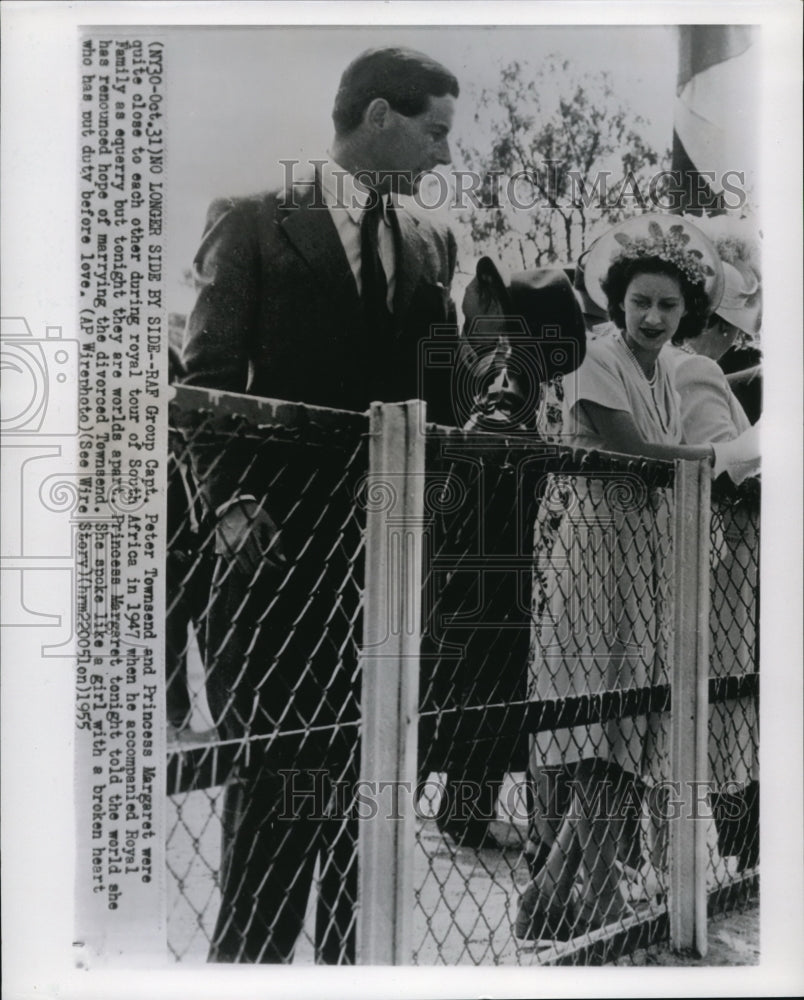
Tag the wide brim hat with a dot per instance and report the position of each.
(741, 304)
(738, 241)
(738, 244)
(592, 312)
(669, 237)
(539, 303)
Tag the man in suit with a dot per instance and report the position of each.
(320, 293)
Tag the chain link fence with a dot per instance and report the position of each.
(537, 745)
(733, 843)
(544, 711)
(261, 763)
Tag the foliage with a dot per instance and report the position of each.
(559, 153)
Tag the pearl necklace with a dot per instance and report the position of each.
(652, 383)
(650, 379)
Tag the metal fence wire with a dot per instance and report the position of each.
(260, 798)
(540, 800)
(733, 844)
(551, 612)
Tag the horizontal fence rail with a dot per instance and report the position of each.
(533, 591)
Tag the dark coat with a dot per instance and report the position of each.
(278, 315)
(278, 312)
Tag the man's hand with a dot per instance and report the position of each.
(247, 534)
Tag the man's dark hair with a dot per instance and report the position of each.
(625, 269)
(404, 77)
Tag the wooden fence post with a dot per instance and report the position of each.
(690, 697)
(390, 681)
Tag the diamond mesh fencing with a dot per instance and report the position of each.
(548, 626)
(542, 795)
(480, 507)
(733, 841)
(263, 630)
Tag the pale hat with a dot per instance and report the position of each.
(669, 237)
(737, 242)
(741, 303)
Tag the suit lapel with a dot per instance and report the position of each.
(309, 227)
(410, 250)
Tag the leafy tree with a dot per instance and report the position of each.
(559, 153)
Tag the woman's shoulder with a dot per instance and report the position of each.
(604, 377)
(604, 349)
(689, 368)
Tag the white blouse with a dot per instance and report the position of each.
(612, 377)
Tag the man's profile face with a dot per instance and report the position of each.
(413, 146)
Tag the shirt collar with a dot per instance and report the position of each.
(341, 191)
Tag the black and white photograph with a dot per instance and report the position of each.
(401, 491)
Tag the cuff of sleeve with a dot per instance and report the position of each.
(740, 457)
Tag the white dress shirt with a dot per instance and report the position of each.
(346, 202)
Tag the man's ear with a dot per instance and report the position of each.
(377, 112)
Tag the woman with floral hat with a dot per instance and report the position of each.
(604, 624)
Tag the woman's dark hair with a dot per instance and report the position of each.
(712, 321)
(404, 77)
(623, 271)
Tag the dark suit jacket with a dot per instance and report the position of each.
(278, 312)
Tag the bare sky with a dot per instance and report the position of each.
(241, 99)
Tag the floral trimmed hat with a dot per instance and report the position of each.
(668, 237)
(738, 244)
(741, 304)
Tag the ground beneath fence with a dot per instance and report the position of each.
(733, 940)
(465, 907)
